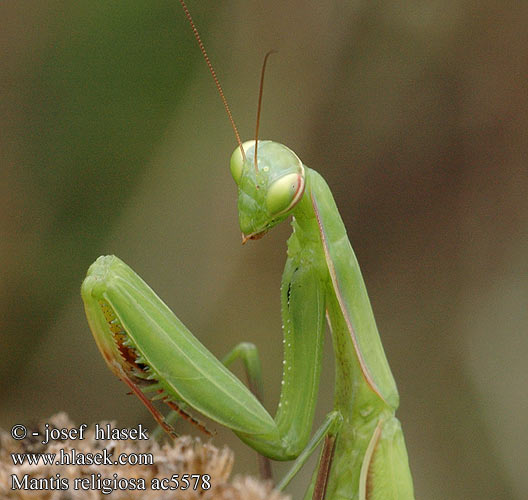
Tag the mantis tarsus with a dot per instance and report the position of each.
(144, 343)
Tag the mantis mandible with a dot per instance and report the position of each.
(147, 346)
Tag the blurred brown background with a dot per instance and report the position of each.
(114, 140)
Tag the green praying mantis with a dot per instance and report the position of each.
(364, 455)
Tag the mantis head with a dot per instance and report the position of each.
(267, 190)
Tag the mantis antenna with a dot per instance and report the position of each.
(215, 78)
(259, 107)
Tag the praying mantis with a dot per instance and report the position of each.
(364, 455)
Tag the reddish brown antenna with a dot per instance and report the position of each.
(215, 78)
(259, 107)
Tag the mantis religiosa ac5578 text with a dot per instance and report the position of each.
(145, 344)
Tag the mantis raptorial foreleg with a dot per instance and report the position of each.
(149, 348)
(247, 353)
(146, 345)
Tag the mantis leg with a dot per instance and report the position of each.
(323, 471)
(248, 354)
(328, 430)
(149, 348)
(158, 433)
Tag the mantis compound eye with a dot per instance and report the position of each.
(237, 161)
(284, 193)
